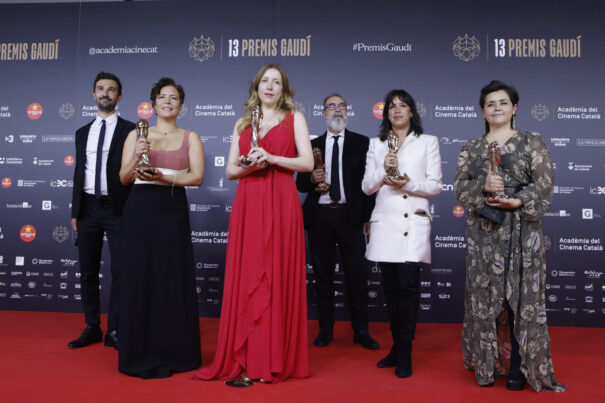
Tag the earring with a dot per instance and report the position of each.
(512, 121)
(485, 127)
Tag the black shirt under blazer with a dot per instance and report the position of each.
(359, 206)
(117, 192)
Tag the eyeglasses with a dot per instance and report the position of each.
(333, 106)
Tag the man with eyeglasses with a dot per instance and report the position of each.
(337, 218)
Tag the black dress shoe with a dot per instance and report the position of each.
(390, 361)
(92, 334)
(515, 382)
(366, 341)
(403, 369)
(111, 339)
(323, 338)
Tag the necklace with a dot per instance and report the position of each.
(165, 133)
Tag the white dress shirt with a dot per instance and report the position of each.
(91, 153)
(325, 197)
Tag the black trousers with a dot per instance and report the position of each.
(401, 285)
(515, 357)
(331, 229)
(97, 218)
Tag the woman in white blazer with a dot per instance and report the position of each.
(401, 223)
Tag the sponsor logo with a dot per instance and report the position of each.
(552, 298)
(466, 48)
(444, 296)
(219, 161)
(562, 273)
(458, 211)
(540, 112)
(447, 140)
(69, 160)
(60, 233)
(590, 142)
(589, 287)
(55, 138)
(587, 214)
(67, 111)
(34, 111)
(220, 188)
(560, 141)
(578, 167)
(42, 163)
(145, 110)
(425, 295)
(11, 160)
(594, 274)
(47, 205)
(202, 48)
(19, 260)
(560, 213)
(9, 139)
(588, 299)
(594, 190)
(378, 109)
(566, 190)
(61, 183)
(27, 138)
(6, 182)
(421, 109)
(27, 233)
(202, 208)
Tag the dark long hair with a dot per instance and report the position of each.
(415, 121)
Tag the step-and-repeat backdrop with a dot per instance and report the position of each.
(441, 52)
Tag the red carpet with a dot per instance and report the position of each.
(36, 366)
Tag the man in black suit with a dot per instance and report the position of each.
(98, 200)
(338, 217)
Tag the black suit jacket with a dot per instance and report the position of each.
(116, 191)
(359, 206)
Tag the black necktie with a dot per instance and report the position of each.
(99, 161)
(334, 178)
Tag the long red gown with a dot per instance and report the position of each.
(263, 324)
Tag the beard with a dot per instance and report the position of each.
(337, 122)
(106, 104)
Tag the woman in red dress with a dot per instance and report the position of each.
(263, 325)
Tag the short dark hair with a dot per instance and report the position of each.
(165, 82)
(108, 76)
(496, 85)
(415, 121)
(334, 94)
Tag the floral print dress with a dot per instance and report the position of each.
(505, 262)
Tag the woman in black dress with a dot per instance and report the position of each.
(159, 322)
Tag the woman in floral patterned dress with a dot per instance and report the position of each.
(505, 265)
